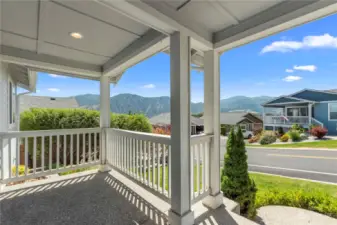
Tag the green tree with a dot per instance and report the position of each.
(235, 181)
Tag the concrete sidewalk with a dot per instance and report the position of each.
(282, 215)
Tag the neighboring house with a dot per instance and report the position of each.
(247, 121)
(11, 77)
(27, 102)
(307, 107)
(164, 120)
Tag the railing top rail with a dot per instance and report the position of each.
(39, 133)
(164, 139)
(200, 138)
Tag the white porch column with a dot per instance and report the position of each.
(212, 124)
(310, 113)
(180, 213)
(104, 117)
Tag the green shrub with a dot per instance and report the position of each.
(294, 135)
(312, 200)
(284, 138)
(298, 128)
(267, 139)
(235, 181)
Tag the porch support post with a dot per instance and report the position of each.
(104, 117)
(212, 125)
(309, 113)
(180, 213)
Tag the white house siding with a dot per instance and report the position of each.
(4, 119)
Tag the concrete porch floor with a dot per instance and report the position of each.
(96, 198)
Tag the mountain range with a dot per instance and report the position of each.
(151, 106)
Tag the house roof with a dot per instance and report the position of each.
(27, 102)
(23, 76)
(233, 118)
(304, 96)
(165, 119)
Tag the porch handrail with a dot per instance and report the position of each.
(317, 122)
(51, 151)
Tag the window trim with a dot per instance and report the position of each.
(296, 107)
(329, 111)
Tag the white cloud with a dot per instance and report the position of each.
(289, 71)
(291, 78)
(310, 68)
(56, 76)
(53, 89)
(37, 91)
(321, 41)
(149, 86)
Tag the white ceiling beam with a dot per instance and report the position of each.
(149, 44)
(163, 19)
(281, 17)
(47, 63)
(41, 25)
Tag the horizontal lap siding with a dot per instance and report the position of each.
(321, 111)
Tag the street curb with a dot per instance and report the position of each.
(294, 148)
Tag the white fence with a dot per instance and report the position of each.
(47, 152)
(147, 158)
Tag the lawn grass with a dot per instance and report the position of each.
(275, 190)
(266, 183)
(317, 144)
(150, 173)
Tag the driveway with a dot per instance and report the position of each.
(311, 164)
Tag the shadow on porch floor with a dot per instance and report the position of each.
(95, 198)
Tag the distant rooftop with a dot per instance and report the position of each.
(27, 102)
(165, 119)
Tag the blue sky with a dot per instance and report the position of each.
(303, 57)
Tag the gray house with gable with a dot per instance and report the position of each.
(306, 107)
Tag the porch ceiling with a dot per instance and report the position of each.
(119, 34)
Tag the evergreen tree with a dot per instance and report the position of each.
(235, 181)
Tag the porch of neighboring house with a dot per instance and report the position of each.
(287, 114)
(139, 171)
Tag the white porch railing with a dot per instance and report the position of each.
(47, 152)
(144, 157)
(147, 159)
(316, 122)
(288, 120)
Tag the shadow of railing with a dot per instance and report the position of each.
(89, 199)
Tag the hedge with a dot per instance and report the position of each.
(49, 119)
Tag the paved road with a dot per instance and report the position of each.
(318, 165)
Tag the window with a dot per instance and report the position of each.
(243, 127)
(333, 111)
(300, 111)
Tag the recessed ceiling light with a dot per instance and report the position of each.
(76, 35)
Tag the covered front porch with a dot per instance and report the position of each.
(287, 114)
(99, 40)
